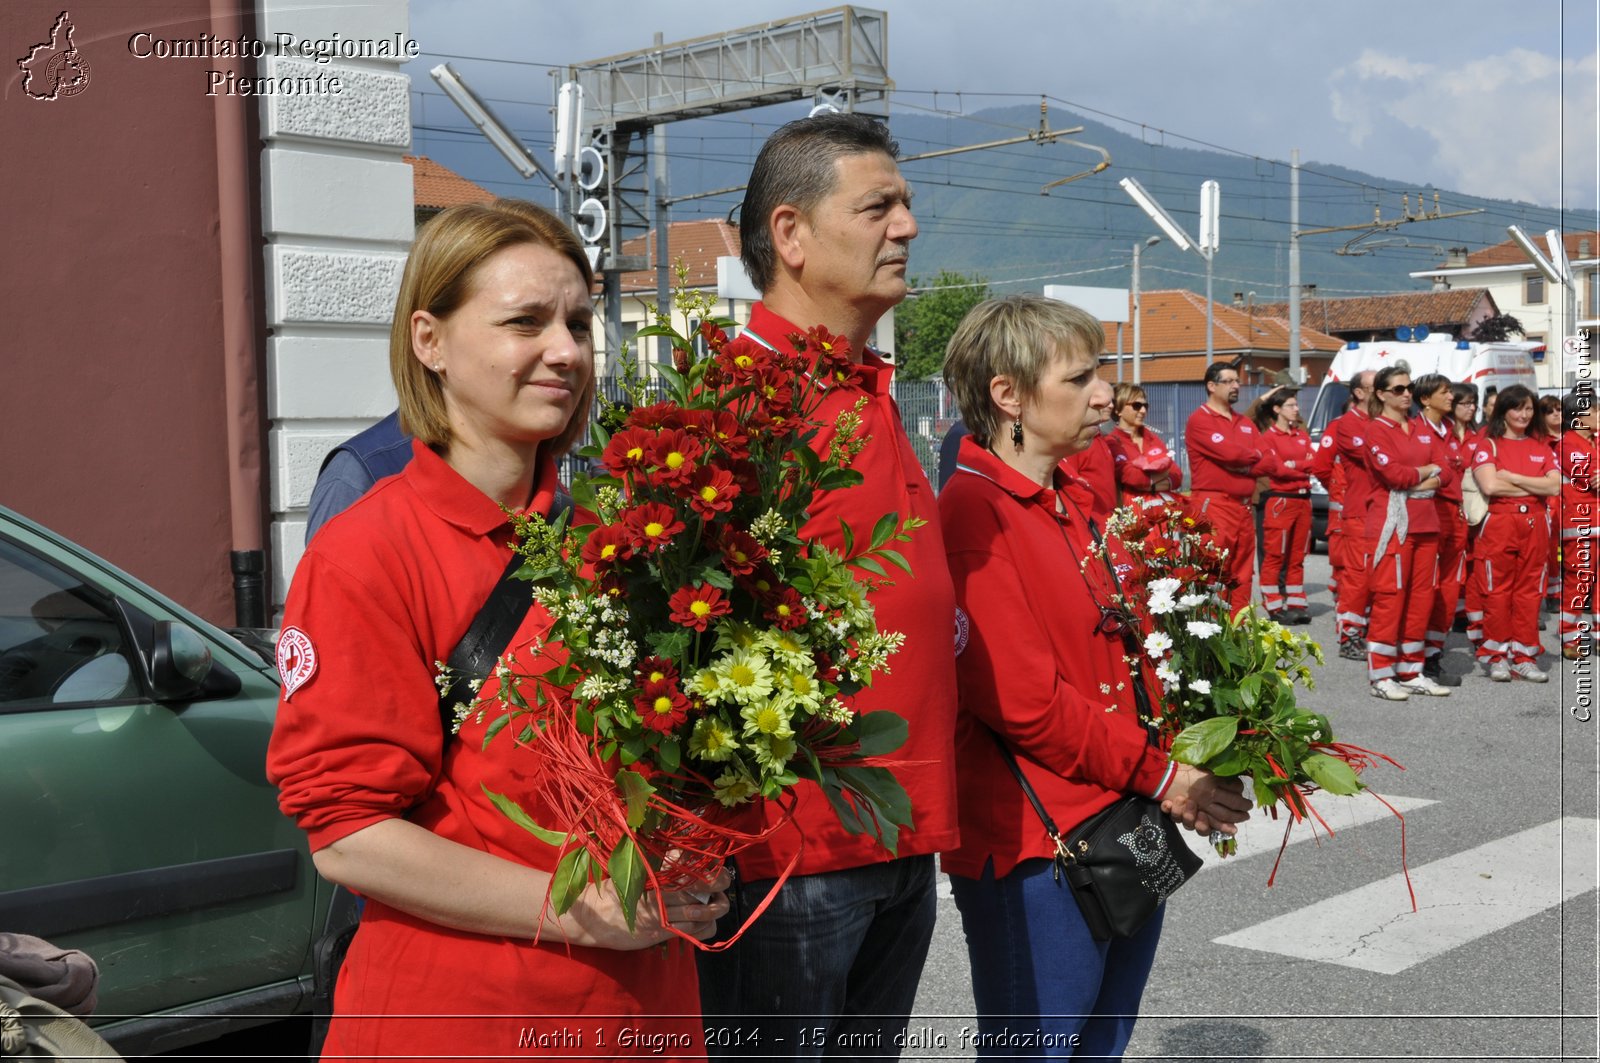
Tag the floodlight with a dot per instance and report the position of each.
(1148, 204)
(502, 138)
(569, 126)
(1558, 254)
(1535, 256)
(1210, 213)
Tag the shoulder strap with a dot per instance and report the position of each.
(490, 632)
(1027, 788)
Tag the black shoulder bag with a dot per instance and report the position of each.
(1126, 860)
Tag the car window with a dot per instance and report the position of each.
(60, 641)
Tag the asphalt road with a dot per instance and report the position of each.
(1499, 797)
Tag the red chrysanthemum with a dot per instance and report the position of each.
(657, 415)
(662, 712)
(672, 457)
(785, 609)
(696, 607)
(715, 338)
(629, 449)
(740, 552)
(607, 545)
(652, 525)
(712, 491)
(656, 675)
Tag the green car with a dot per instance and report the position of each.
(139, 823)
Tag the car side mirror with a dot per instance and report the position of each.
(181, 666)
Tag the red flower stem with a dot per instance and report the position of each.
(1404, 869)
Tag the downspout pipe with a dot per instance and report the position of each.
(241, 375)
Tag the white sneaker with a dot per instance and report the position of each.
(1529, 671)
(1421, 684)
(1389, 690)
(1500, 671)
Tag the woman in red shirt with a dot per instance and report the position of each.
(1516, 473)
(1436, 397)
(1468, 428)
(1402, 527)
(1143, 462)
(1041, 665)
(1285, 507)
(492, 356)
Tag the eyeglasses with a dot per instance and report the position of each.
(1398, 389)
(1139, 405)
(1226, 380)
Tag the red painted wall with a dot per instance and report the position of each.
(111, 412)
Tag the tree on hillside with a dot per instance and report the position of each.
(924, 323)
(1497, 329)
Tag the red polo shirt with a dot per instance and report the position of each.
(1292, 452)
(1393, 458)
(1350, 432)
(1134, 466)
(1448, 451)
(1034, 667)
(920, 684)
(1225, 453)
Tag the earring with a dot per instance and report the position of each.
(438, 367)
(1016, 433)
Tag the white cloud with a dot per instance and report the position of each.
(1519, 124)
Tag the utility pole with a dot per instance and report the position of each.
(1294, 265)
(1138, 251)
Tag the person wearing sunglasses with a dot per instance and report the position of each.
(1403, 529)
(1144, 464)
(1042, 663)
(1435, 396)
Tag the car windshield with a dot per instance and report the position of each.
(1331, 400)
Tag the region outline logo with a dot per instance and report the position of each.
(56, 64)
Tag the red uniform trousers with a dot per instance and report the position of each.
(1285, 535)
(1508, 572)
(1335, 547)
(1472, 594)
(1452, 572)
(1233, 528)
(1579, 551)
(1354, 599)
(1401, 585)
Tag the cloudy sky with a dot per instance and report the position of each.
(1488, 97)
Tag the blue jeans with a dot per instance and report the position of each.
(829, 970)
(1043, 987)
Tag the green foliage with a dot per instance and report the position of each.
(924, 323)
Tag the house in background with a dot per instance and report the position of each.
(1519, 289)
(1368, 318)
(1173, 342)
(435, 188)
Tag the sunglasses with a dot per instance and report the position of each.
(1139, 405)
(1398, 389)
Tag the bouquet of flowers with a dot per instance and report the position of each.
(1230, 704)
(702, 653)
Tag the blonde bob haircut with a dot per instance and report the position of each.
(439, 277)
(1017, 336)
(1123, 394)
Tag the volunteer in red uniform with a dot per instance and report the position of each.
(1547, 426)
(836, 958)
(1516, 473)
(1143, 463)
(1580, 520)
(1434, 394)
(1095, 465)
(1345, 442)
(1403, 525)
(1468, 429)
(1041, 668)
(1285, 508)
(492, 356)
(1226, 455)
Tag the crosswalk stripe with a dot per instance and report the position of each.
(1459, 898)
(1262, 834)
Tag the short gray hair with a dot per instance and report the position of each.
(1017, 336)
(796, 167)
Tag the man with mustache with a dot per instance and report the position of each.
(833, 963)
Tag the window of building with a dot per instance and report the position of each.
(1534, 289)
(1591, 301)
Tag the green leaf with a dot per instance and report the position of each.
(570, 879)
(1250, 690)
(658, 330)
(1332, 774)
(716, 576)
(669, 754)
(884, 530)
(582, 492)
(636, 791)
(897, 559)
(871, 565)
(1266, 796)
(848, 536)
(515, 814)
(879, 732)
(495, 727)
(626, 868)
(675, 381)
(1200, 742)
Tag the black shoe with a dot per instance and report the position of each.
(1459, 625)
(1433, 668)
(1299, 616)
(1353, 649)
